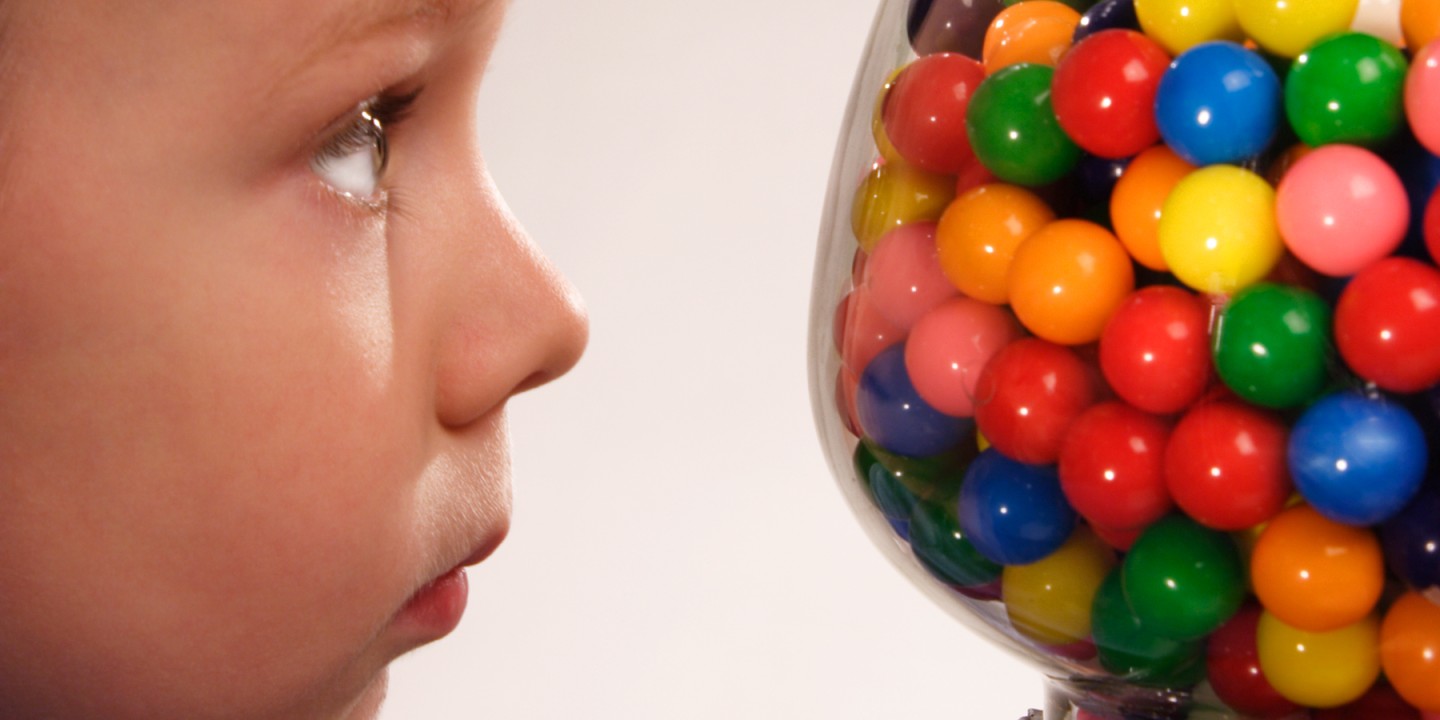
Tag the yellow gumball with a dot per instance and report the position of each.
(1319, 669)
(1217, 229)
(877, 127)
(1049, 601)
(1287, 27)
(896, 194)
(1179, 25)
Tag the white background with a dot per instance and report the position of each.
(679, 549)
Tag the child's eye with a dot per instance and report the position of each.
(353, 160)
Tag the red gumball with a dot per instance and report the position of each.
(1112, 467)
(1120, 539)
(1225, 465)
(1155, 351)
(1233, 666)
(1104, 92)
(1387, 322)
(924, 113)
(1029, 394)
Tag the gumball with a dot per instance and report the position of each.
(972, 176)
(1380, 18)
(1225, 465)
(1272, 345)
(1183, 580)
(890, 495)
(897, 482)
(925, 111)
(1013, 513)
(1410, 650)
(1348, 88)
(896, 194)
(1121, 539)
(1432, 226)
(866, 331)
(883, 147)
(1287, 27)
(1219, 103)
(949, 347)
(1341, 208)
(1128, 649)
(957, 26)
(893, 415)
(1035, 31)
(1067, 279)
(1029, 394)
(1217, 229)
(1182, 24)
(1138, 198)
(1357, 460)
(1420, 22)
(1321, 670)
(1232, 663)
(979, 233)
(1107, 15)
(1112, 466)
(1380, 702)
(1104, 92)
(1422, 97)
(1386, 323)
(1155, 351)
(944, 549)
(1412, 540)
(1049, 600)
(1316, 574)
(903, 275)
(1013, 129)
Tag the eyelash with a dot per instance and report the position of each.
(368, 126)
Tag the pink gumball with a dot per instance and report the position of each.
(1422, 96)
(862, 331)
(1341, 208)
(904, 277)
(949, 347)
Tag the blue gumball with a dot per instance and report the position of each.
(1412, 540)
(1357, 460)
(1218, 103)
(1107, 15)
(1013, 513)
(893, 415)
(1098, 176)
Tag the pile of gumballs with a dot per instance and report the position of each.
(1142, 337)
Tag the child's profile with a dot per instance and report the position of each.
(260, 313)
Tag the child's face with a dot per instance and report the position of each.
(244, 418)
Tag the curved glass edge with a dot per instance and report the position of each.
(854, 156)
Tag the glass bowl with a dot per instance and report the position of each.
(1125, 343)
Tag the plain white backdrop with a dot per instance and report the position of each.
(679, 549)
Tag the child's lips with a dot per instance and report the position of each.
(436, 609)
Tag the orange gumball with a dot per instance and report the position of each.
(1315, 574)
(1138, 197)
(978, 235)
(1034, 31)
(1068, 279)
(1410, 650)
(1420, 22)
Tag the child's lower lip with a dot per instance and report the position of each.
(435, 610)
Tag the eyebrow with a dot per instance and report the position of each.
(357, 20)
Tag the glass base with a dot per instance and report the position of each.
(1096, 699)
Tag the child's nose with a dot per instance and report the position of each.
(516, 322)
